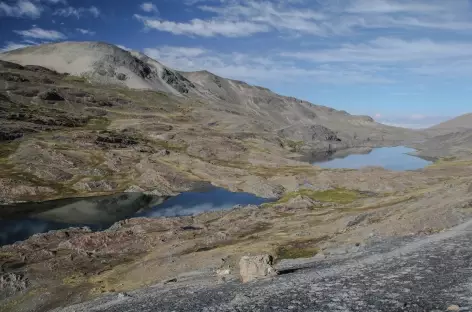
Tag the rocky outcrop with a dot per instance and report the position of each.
(51, 95)
(309, 133)
(256, 267)
(12, 283)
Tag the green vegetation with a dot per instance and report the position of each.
(338, 195)
(298, 249)
(75, 279)
(72, 78)
(451, 161)
(8, 148)
(171, 146)
(99, 123)
(295, 146)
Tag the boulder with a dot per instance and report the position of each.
(256, 267)
(51, 95)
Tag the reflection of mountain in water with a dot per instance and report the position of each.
(330, 155)
(20, 221)
(397, 158)
(86, 210)
(99, 210)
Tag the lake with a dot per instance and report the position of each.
(20, 221)
(391, 158)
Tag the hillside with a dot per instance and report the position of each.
(60, 99)
(101, 63)
(260, 109)
(463, 121)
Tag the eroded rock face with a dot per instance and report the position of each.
(256, 267)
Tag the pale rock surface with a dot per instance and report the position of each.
(256, 267)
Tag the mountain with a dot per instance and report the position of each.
(463, 121)
(128, 112)
(102, 63)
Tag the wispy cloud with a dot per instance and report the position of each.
(22, 8)
(386, 49)
(198, 27)
(40, 33)
(77, 12)
(330, 18)
(256, 69)
(413, 121)
(148, 7)
(384, 6)
(85, 31)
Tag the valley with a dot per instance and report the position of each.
(99, 121)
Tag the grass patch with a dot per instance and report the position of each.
(72, 78)
(338, 195)
(442, 162)
(6, 255)
(295, 146)
(255, 229)
(73, 280)
(99, 123)
(298, 249)
(384, 204)
(8, 148)
(171, 146)
(202, 248)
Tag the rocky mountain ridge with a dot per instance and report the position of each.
(108, 64)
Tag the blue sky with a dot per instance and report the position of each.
(406, 62)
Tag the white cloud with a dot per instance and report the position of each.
(13, 46)
(256, 69)
(77, 12)
(414, 121)
(179, 210)
(22, 8)
(148, 7)
(384, 6)
(64, 2)
(388, 50)
(40, 33)
(276, 16)
(344, 17)
(198, 27)
(94, 11)
(85, 31)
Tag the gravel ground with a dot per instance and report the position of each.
(406, 274)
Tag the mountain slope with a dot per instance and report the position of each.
(234, 105)
(101, 63)
(463, 121)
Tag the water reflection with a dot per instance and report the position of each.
(392, 158)
(20, 221)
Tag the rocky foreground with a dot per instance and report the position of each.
(75, 265)
(424, 273)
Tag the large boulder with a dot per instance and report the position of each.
(256, 267)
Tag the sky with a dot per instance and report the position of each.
(403, 62)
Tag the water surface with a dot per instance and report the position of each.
(20, 221)
(392, 158)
